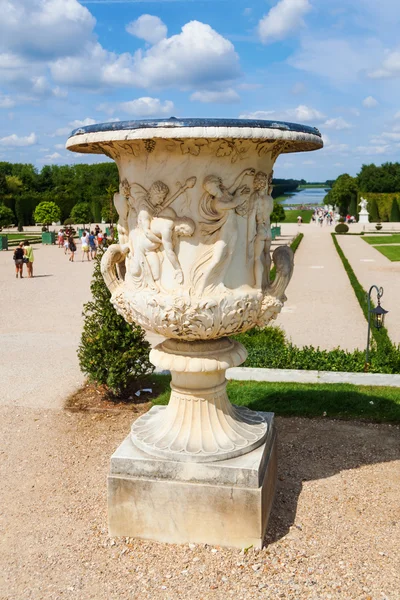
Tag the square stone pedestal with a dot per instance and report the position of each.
(224, 503)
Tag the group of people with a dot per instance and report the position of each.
(323, 216)
(90, 241)
(23, 254)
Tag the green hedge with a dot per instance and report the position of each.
(383, 202)
(269, 348)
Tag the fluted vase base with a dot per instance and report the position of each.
(199, 424)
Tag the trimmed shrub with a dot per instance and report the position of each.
(69, 221)
(342, 228)
(112, 352)
(373, 211)
(394, 211)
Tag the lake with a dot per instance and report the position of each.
(307, 196)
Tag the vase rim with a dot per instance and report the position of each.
(174, 122)
(95, 139)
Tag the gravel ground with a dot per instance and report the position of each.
(334, 530)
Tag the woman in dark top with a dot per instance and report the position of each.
(72, 247)
(19, 259)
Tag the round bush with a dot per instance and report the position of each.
(69, 221)
(342, 228)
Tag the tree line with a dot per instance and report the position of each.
(381, 181)
(22, 188)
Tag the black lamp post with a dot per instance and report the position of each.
(378, 315)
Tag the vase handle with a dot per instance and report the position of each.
(283, 258)
(113, 266)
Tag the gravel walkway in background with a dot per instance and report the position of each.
(320, 300)
(40, 327)
(334, 533)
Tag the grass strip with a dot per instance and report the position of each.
(343, 401)
(294, 245)
(382, 239)
(291, 215)
(391, 252)
(381, 336)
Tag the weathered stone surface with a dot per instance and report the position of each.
(225, 503)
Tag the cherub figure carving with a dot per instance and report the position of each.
(122, 207)
(154, 227)
(259, 238)
(219, 207)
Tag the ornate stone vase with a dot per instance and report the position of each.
(193, 264)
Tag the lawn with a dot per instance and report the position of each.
(291, 215)
(21, 236)
(381, 239)
(343, 401)
(391, 252)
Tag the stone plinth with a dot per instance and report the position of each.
(170, 501)
(363, 217)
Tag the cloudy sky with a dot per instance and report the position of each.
(333, 64)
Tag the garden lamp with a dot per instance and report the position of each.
(378, 315)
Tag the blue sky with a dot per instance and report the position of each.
(331, 64)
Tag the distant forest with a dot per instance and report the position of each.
(22, 187)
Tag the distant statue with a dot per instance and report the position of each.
(363, 204)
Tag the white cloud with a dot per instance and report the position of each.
(370, 102)
(340, 60)
(228, 96)
(390, 67)
(309, 162)
(44, 28)
(198, 56)
(282, 19)
(6, 101)
(337, 123)
(59, 92)
(141, 107)
(332, 147)
(148, 28)
(391, 136)
(300, 113)
(63, 131)
(397, 115)
(372, 150)
(16, 141)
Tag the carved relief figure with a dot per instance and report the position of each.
(259, 238)
(122, 207)
(219, 207)
(156, 227)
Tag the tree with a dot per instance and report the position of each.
(111, 352)
(353, 206)
(81, 213)
(47, 213)
(395, 212)
(6, 216)
(278, 214)
(106, 216)
(343, 192)
(373, 211)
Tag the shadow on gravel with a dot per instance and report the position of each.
(319, 448)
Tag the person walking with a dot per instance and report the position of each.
(92, 245)
(85, 245)
(29, 258)
(19, 259)
(72, 247)
(60, 238)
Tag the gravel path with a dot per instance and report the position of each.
(320, 296)
(334, 532)
(371, 267)
(40, 328)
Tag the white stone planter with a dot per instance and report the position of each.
(193, 263)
